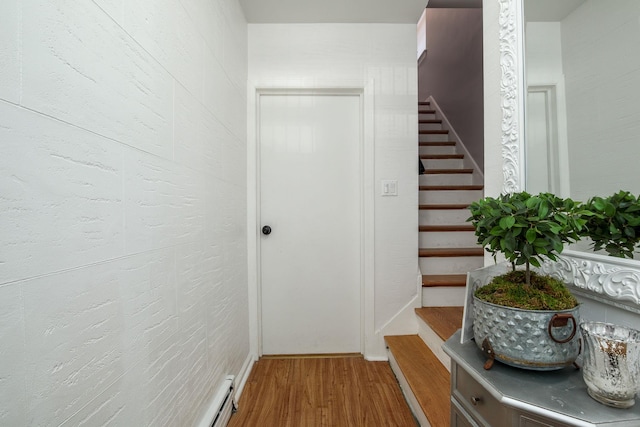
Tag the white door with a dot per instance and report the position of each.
(310, 197)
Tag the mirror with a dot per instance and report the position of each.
(582, 112)
(614, 282)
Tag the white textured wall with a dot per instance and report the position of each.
(357, 55)
(123, 269)
(601, 59)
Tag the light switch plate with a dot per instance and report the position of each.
(389, 187)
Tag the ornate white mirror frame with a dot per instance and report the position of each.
(606, 279)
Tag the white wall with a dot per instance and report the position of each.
(381, 59)
(543, 52)
(602, 69)
(123, 267)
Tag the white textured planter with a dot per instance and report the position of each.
(531, 339)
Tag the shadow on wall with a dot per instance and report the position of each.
(452, 72)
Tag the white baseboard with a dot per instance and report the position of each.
(243, 376)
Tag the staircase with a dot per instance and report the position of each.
(449, 181)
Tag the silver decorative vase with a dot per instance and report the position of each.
(611, 363)
(531, 339)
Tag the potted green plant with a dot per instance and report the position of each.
(614, 223)
(522, 318)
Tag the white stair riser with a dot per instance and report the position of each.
(434, 342)
(430, 126)
(442, 163)
(431, 116)
(450, 265)
(447, 239)
(434, 137)
(438, 149)
(443, 216)
(449, 197)
(446, 179)
(444, 296)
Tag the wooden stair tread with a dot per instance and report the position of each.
(430, 121)
(425, 111)
(433, 132)
(424, 103)
(443, 206)
(436, 280)
(450, 187)
(428, 171)
(450, 252)
(428, 379)
(456, 227)
(444, 321)
(436, 143)
(441, 156)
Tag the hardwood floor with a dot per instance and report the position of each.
(332, 392)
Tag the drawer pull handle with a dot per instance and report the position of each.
(475, 400)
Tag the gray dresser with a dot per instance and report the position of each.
(510, 397)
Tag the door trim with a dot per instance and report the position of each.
(366, 165)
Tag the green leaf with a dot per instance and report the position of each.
(531, 235)
(543, 209)
(532, 202)
(507, 222)
(609, 209)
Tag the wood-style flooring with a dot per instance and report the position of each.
(331, 392)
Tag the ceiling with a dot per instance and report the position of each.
(549, 10)
(333, 11)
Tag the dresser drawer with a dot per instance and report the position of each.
(477, 401)
(460, 417)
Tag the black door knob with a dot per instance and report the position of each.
(266, 230)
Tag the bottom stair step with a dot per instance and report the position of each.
(428, 380)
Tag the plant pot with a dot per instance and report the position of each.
(531, 339)
(611, 363)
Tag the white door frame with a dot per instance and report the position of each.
(366, 150)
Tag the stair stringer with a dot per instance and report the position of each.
(404, 322)
(469, 161)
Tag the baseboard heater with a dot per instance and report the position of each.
(222, 406)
